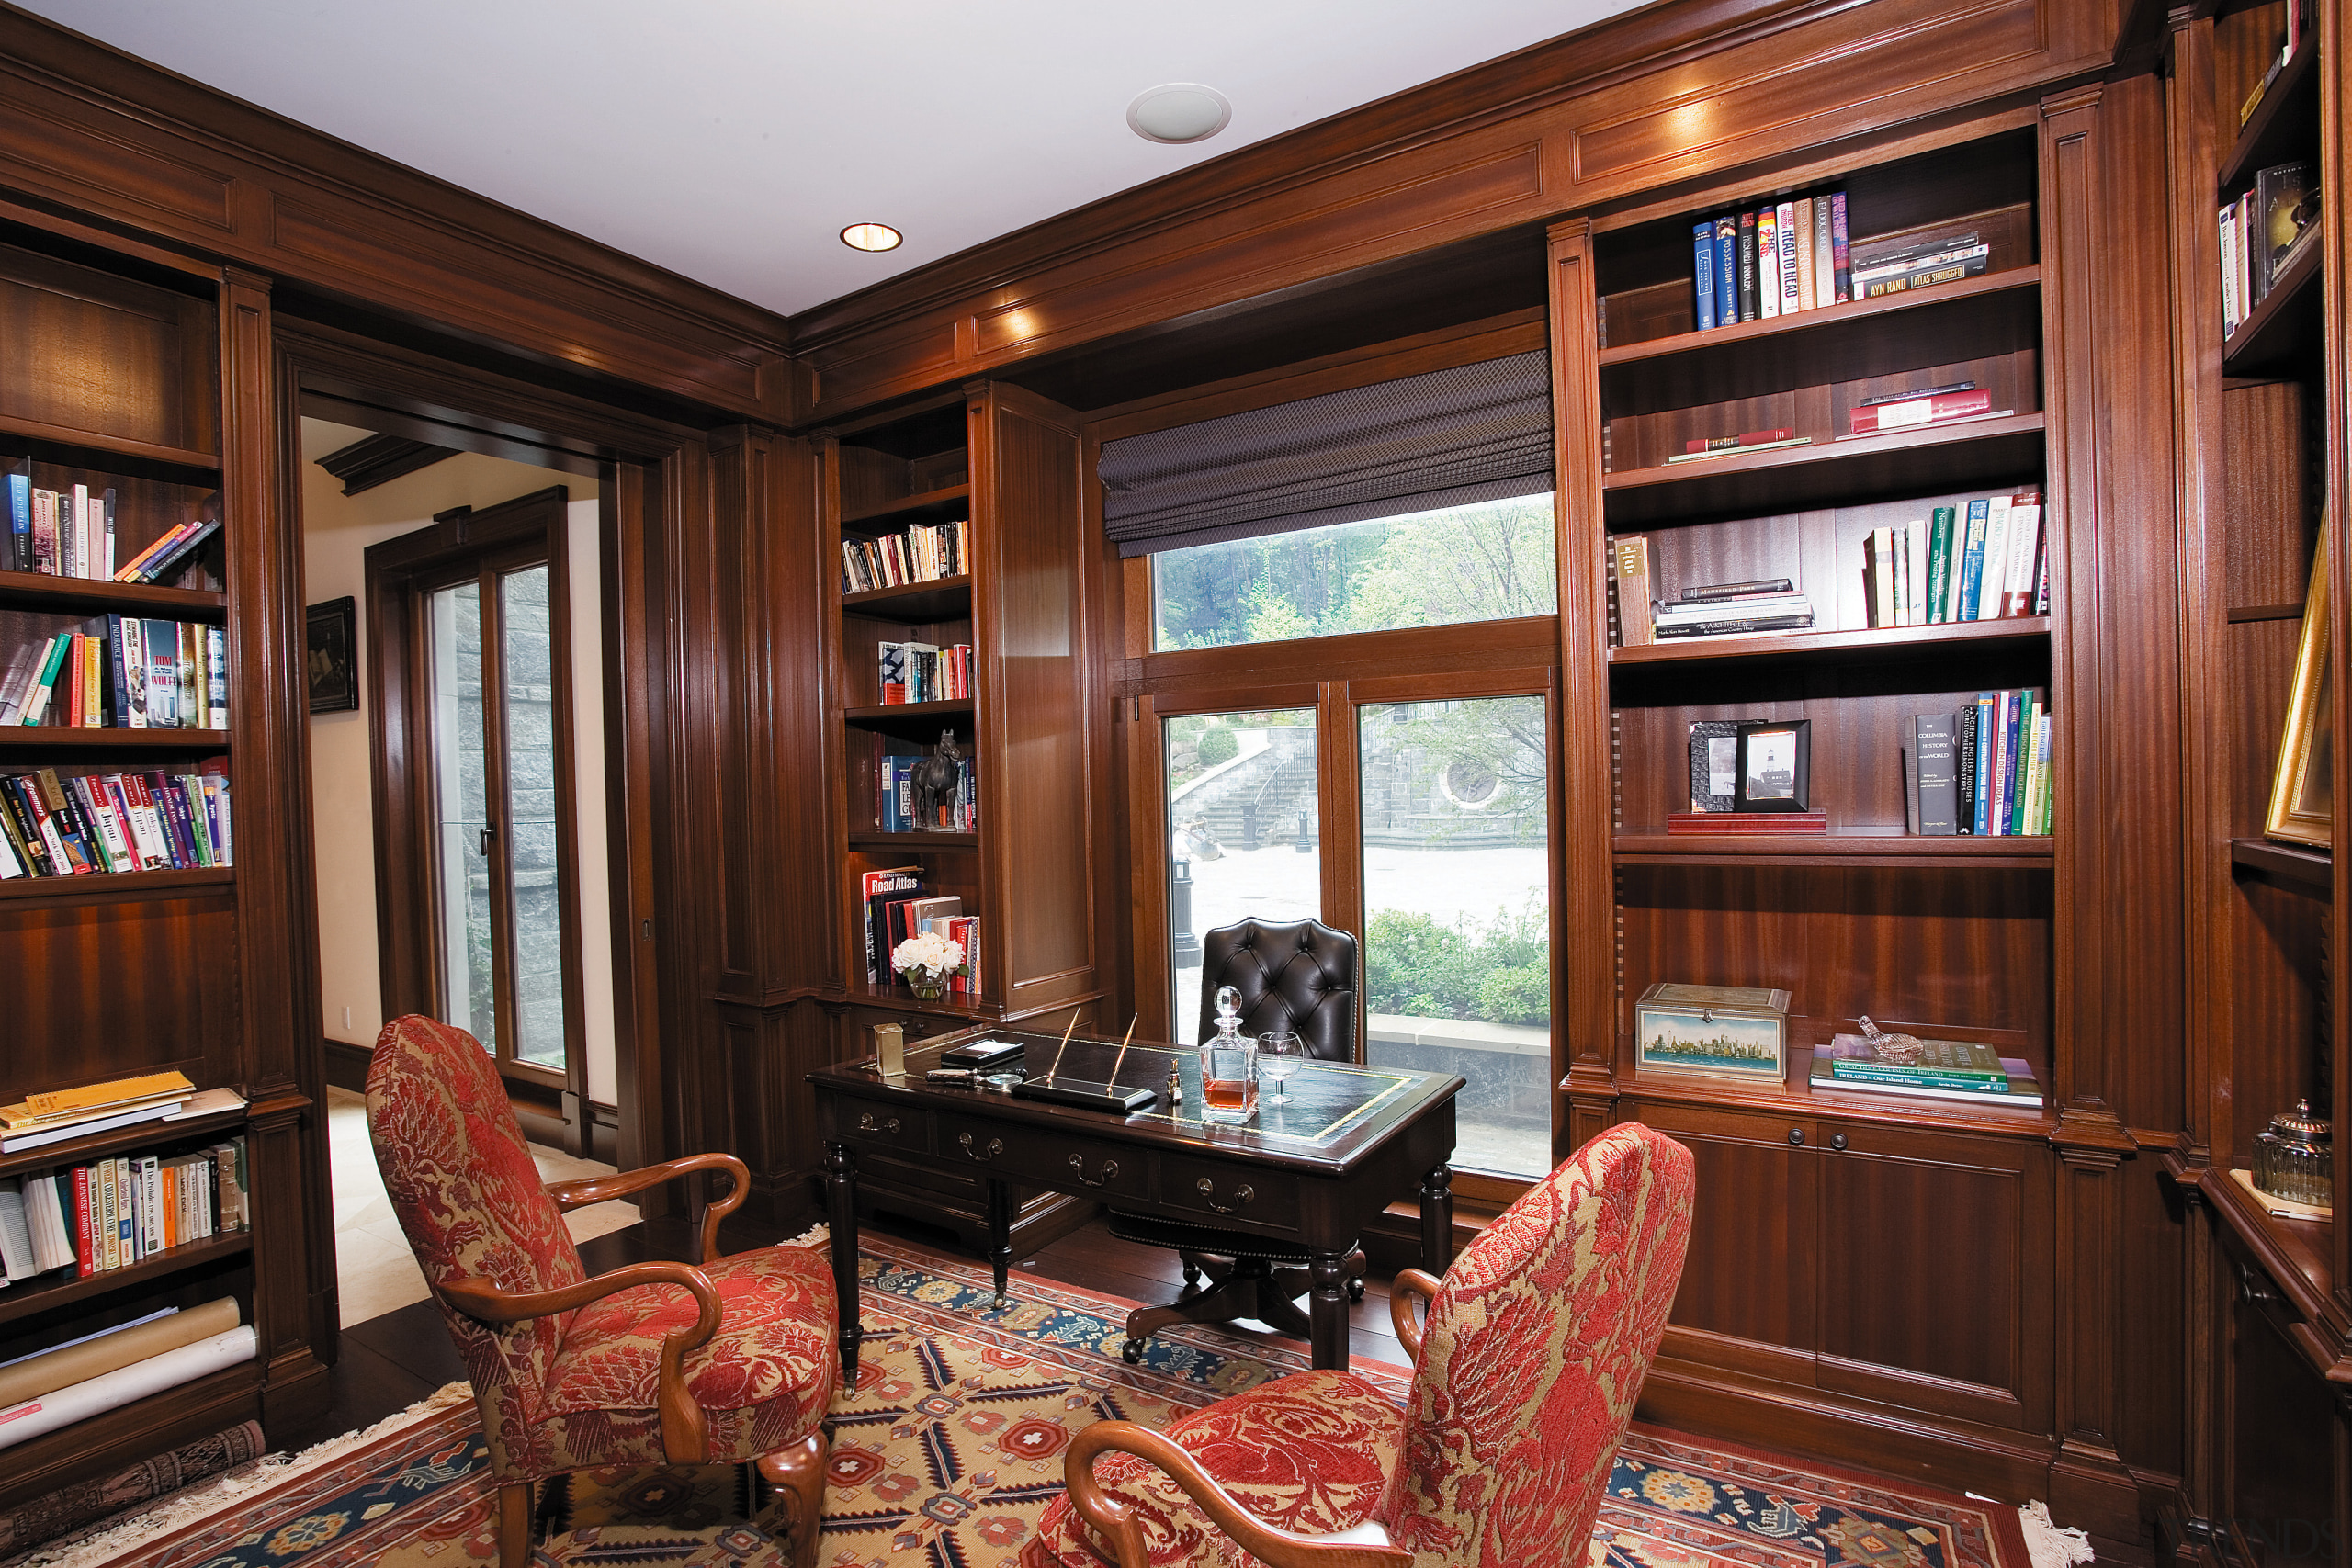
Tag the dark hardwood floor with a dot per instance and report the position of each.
(390, 1362)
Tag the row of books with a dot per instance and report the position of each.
(1776, 260)
(70, 533)
(918, 553)
(1982, 771)
(79, 824)
(114, 1212)
(897, 907)
(120, 672)
(896, 810)
(1991, 564)
(925, 672)
(2262, 231)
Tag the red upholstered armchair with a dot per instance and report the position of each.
(732, 1361)
(1524, 1379)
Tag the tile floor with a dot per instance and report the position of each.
(375, 1272)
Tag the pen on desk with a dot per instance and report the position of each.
(1121, 1060)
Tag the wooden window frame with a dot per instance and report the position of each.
(401, 575)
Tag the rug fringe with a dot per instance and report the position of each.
(2051, 1544)
(185, 1506)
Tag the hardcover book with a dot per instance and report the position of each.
(1931, 787)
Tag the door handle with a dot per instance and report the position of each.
(488, 836)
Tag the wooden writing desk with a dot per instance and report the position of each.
(1310, 1172)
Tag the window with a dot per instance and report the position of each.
(1486, 561)
(1457, 923)
(1243, 835)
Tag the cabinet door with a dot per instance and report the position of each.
(1936, 1273)
(1748, 1301)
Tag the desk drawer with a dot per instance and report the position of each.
(1067, 1161)
(1213, 1191)
(873, 1124)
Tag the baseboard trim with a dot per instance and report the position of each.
(347, 1065)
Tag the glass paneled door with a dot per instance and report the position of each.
(1457, 914)
(493, 757)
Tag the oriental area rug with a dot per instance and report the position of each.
(947, 1451)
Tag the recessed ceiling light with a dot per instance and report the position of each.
(1179, 111)
(872, 237)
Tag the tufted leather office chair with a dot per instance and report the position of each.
(1293, 974)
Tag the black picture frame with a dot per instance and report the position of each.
(1775, 770)
(1708, 734)
(332, 664)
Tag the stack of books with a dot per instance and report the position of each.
(1951, 1069)
(1984, 770)
(1745, 441)
(921, 552)
(123, 672)
(70, 533)
(1774, 259)
(1953, 402)
(77, 824)
(1732, 609)
(1757, 824)
(1992, 565)
(1918, 263)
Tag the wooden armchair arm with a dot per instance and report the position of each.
(1278, 1548)
(1409, 1283)
(598, 1188)
(685, 1435)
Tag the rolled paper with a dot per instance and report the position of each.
(70, 1364)
(110, 1390)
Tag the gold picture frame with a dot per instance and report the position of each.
(2302, 790)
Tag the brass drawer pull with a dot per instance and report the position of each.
(1110, 1169)
(866, 1123)
(995, 1147)
(1207, 1189)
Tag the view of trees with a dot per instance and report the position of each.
(1491, 560)
(1498, 972)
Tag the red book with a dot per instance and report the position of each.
(1921, 411)
(84, 1243)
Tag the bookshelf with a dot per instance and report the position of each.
(1007, 461)
(116, 378)
(1950, 937)
(2265, 403)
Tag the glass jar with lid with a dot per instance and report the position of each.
(2294, 1158)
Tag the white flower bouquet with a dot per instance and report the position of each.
(927, 961)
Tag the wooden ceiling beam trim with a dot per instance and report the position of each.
(1270, 217)
(97, 131)
(379, 459)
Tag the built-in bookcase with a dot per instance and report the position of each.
(1006, 462)
(113, 379)
(2264, 405)
(1950, 937)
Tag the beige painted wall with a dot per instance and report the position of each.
(337, 530)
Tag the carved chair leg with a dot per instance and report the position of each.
(514, 1525)
(798, 1475)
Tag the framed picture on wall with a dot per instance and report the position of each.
(334, 665)
(2303, 789)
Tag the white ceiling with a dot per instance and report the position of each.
(731, 139)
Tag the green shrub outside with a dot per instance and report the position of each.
(1217, 745)
(1496, 972)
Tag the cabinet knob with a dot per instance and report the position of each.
(1838, 1141)
(867, 1123)
(1796, 1137)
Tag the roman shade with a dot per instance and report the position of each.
(1471, 433)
